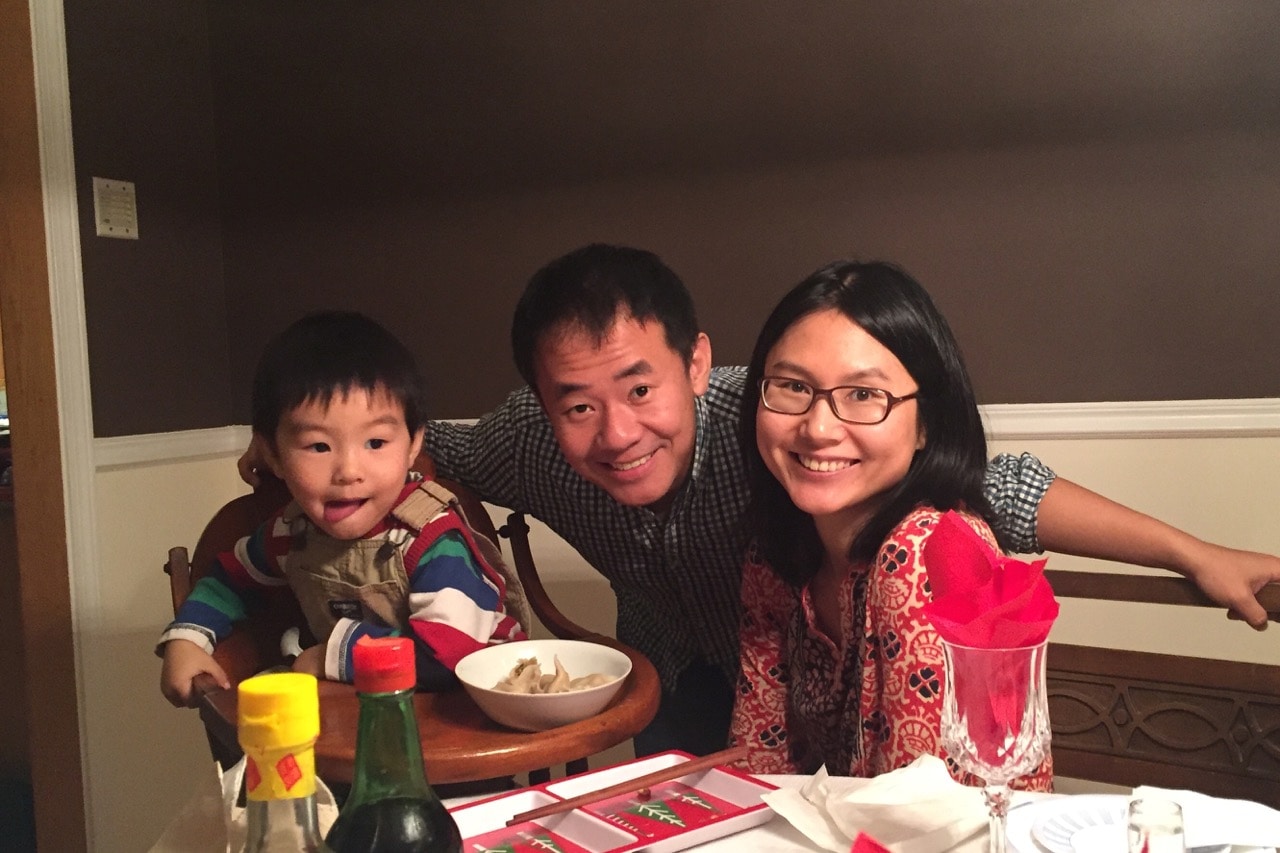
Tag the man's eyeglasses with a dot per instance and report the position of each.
(850, 403)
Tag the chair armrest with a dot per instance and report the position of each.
(241, 654)
(215, 706)
(1148, 589)
(178, 568)
(516, 531)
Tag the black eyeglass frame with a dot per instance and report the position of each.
(891, 401)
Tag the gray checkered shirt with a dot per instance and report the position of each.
(676, 578)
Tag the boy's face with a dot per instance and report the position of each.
(345, 463)
(623, 410)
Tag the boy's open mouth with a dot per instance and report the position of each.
(335, 511)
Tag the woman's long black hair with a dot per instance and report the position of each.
(946, 473)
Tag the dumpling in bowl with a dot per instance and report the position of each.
(523, 678)
(527, 677)
(559, 682)
(595, 679)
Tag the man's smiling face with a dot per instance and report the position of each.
(623, 407)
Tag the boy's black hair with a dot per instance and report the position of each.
(946, 473)
(590, 288)
(330, 353)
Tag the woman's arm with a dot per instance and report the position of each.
(1074, 520)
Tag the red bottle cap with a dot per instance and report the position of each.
(384, 664)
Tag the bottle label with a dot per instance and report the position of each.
(280, 774)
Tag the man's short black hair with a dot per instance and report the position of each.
(590, 288)
(330, 353)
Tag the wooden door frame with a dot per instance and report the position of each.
(46, 367)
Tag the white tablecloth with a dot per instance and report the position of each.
(778, 836)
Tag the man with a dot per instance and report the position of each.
(625, 443)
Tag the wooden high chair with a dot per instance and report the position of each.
(459, 743)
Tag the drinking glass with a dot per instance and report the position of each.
(1155, 826)
(995, 720)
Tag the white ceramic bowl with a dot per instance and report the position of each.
(535, 712)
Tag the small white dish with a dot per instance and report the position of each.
(481, 670)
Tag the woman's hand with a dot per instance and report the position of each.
(1232, 577)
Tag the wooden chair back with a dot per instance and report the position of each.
(1136, 718)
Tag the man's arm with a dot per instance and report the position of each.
(486, 456)
(1074, 520)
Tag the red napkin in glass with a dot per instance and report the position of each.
(984, 600)
(980, 597)
(866, 844)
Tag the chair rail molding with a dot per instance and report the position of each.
(161, 447)
(1005, 422)
(1135, 419)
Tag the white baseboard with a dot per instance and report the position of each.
(1005, 422)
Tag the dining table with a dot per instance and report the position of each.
(778, 835)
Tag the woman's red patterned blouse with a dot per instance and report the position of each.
(864, 703)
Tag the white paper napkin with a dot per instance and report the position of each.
(1209, 820)
(915, 809)
(211, 822)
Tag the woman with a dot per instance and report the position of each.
(860, 429)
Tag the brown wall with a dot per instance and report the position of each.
(1091, 191)
(155, 308)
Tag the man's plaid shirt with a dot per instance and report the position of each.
(676, 578)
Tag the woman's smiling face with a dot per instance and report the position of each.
(829, 467)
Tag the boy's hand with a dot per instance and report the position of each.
(311, 661)
(183, 661)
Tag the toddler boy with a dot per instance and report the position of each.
(366, 546)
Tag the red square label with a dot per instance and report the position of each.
(252, 775)
(289, 771)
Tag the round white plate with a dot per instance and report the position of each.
(1104, 838)
(1021, 816)
(1057, 820)
(1098, 815)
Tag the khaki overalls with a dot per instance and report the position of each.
(368, 579)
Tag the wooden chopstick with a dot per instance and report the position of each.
(666, 774)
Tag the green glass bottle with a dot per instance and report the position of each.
(391, 808)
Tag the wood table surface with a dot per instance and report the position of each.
(460, 743)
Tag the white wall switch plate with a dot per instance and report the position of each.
(115, 208)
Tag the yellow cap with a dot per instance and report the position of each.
(278, 710)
